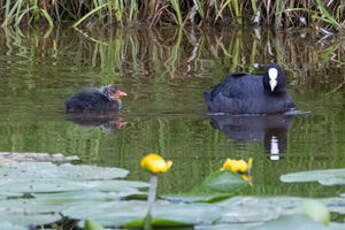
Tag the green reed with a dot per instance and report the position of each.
(291, 13)
(176, 5)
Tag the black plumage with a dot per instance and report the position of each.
(103, 99)
(243, 93)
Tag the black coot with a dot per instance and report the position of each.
(104, 99)
(243, 93)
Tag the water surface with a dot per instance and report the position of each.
(165, 71)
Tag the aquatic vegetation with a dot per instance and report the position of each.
(46, 190)
(292, 13)
(154, 163)
(328, 177)
(34, 193)
(225, 182)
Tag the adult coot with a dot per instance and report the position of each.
(104, 99)
(243, 93)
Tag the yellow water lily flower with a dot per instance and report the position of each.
(239, 166)
(155, 163)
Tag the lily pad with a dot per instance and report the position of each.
(218, 186)
(325, 177)
(248, 209)
(10, 157)
(29, 212)
(262, 209)
(37, 185)
(224, 181)
(117, 213)
(28, 207)
(77, 196)
(253, 209)
(5, 225)
(230, 226)
(53, 188)
(334, 204)
(290, 222)
(31, 177)
(47, 170)
(123, 188)
(336, 226)
(294, 222)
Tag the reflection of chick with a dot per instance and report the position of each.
(109, 122)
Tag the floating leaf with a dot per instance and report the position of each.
(5, 225)
(28, 207)
(230, 226)
(334, 204)
(248, 209)
(30, 212)
(294, 222)
(224, 181)
(53, 188)
(31, 177)
(117, 213)
(35, 157)
(325, 177)
(336, 226)
(49, 170)
(255, 209)
(76, 196)
(36, 185)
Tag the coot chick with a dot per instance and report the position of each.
(104, 99)
(243, 93)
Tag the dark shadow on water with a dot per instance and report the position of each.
(110, 122)
(272, 130)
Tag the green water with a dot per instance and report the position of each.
(164, 73)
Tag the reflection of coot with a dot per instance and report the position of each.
(271, 129)
(109, 121)
(243, 93)
(106, 98)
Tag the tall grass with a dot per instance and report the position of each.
(282, 14)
